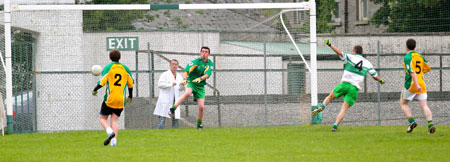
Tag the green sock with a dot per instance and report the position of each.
(430, 123)
(199, 122)
(174, 107)
(335, 126)
(411, 119)
(322, 105)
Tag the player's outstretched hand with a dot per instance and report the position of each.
(94, 93)
(129, 99)
(197, 80)
(382, 81)
(327, 42)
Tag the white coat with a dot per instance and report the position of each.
(167, 93)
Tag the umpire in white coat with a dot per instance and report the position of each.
(170, 86)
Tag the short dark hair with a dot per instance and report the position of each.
(411, 44)
(204, 47)
(174, 60)
(114, 55)
(358, 49)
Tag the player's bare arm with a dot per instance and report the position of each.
(334, 48)
(377, 78)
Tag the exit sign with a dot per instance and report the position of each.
(122, 43)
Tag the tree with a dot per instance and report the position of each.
(105, 20)
(413, 15)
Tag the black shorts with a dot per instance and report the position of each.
(108, 111)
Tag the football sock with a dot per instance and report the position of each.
(174, 106)
(323, 105)
(109, 131)
(335, 126)
(411, 119)
(199, 122)
(430, 123)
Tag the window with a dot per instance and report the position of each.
(336, 17)
(300, 16)
(363, 13)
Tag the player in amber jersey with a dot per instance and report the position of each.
(415, 66)
(195, 76)
(116, 77)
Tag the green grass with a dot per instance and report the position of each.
(285, 143)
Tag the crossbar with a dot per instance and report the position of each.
(302, 5)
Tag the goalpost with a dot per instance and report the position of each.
(286, 7)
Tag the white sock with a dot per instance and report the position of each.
(109, 130)
(114, 141)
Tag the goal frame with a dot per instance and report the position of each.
(8, 8)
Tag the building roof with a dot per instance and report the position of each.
(282, 48)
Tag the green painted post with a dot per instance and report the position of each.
(10, 124)
(164, 7)
(316, 119)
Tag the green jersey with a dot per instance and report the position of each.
(198, 68)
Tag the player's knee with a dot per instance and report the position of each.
(332, 96)
(201, 108)
(185, 95)
(403, 102)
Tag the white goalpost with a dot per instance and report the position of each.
(285, 7)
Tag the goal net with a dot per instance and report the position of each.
(260, 78)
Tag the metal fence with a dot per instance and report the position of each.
(280, 96)
(273, 90)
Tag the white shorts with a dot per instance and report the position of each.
(410, 96)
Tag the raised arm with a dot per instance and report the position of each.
(335, 49)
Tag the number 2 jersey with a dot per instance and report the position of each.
(415, 62)
(356, 68)
(116, 77)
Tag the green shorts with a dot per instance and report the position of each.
(349, 91)
(197, 90)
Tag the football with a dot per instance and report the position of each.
(96, 70)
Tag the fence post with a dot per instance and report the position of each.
(218, 108)
(378, 85)
(265, 85)
(137, 74)
(214, 76)
(440, 72)
(150, 82)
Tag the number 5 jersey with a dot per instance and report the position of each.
(415, 62)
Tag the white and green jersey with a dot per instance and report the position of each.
(356, 68)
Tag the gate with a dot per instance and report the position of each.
(23, 78)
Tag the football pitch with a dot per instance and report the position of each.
(274, 143)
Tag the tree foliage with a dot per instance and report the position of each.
(413, 15)
(106, 20)
(323, 12)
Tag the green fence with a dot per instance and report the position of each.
(24, 107)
